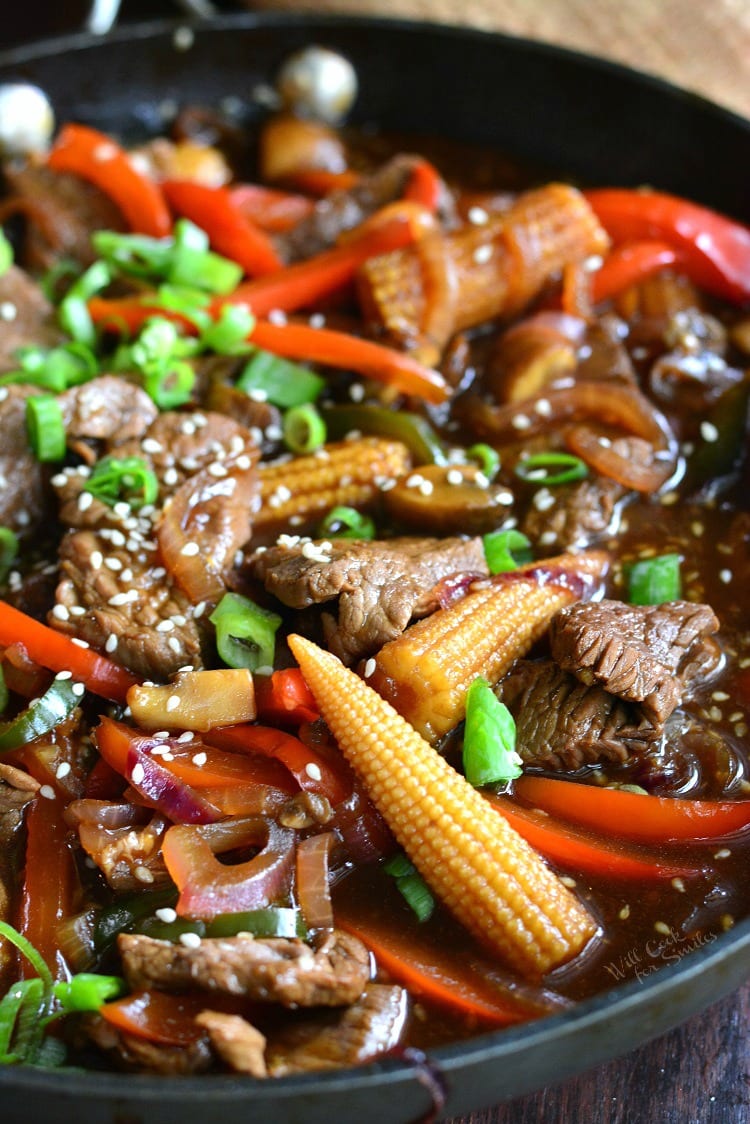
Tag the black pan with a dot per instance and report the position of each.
(581, 117)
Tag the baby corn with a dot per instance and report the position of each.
(427, 671)
(491, 270)
(494, 883)
(348, 473)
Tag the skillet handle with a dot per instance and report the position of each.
(103, 14)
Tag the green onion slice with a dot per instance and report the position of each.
(489, 754)
(506, 550)
(26, 948)
(192, 263)
(346, 523)
(539, 469)
(283, 383)
(411, 886)
(304, 429)
(228, 335)
(74, 315)
(412, 429)
(652, 581)
(129, 479)
(45, 427)
(245, 633)
(59, 700)
(9, 547)
(488, 458)
(6, 254)
(87, 991)
(55, 368)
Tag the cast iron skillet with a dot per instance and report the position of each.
(587, 119)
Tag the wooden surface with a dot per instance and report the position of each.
(696, 1074)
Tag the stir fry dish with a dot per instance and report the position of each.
(374, 628)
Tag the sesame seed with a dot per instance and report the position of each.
(59, 480)
(678, 885)
(64, 675)
(543, 500)
(151, 445)
(356, 392)
(173, 702)
(482, 254)
(199, 759)
(143, 874)
(62, 770)
(369, 667)
(166, 914)
(199, 610)
(568, 881)
(709, 432)
(77, 611)
(723, 853)
(426, 488)
(174, 644)
(477, 216)
(171, 476)
(85, 501)
(520, 421)
(662, 927)
(78, 690)
(216, 469)
(126, 598)
(454, 476)
(122, 509)
(190, 549)
(60, 613)
(317, 320)
(8, 311)
(113, 564)
(104, 151)
(313, 771)
(277, 316)
(719, 696)
(190, 940)
(183, 38)
(111, 643)
(725, 576)
(543, 407)
(47, 791)
(138, 773)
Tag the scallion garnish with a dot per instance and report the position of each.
(74, 314)
(45, 427)
(412, 886)
(283, 383)
(9, 547)
(489, 754)
(54, 369)
(87, 991)
(652, 581)
(488, 458)
(129, 479)
(539, 468)
(245, 633)
(6, 254)
(228, 335)
(346, 523)
(183, 259)
(303, 428)
(158, 356)
(506, 550)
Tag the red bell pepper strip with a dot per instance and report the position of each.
(630, 264)
(49, 879)
(571, 850)
(430, 975)
(425, 186)
(97, 158)
(230, 232)
(714, 250)
(630, 815)
(168, 1020)
(318, 182)
(58, 652)
(310, 769)
(284, 697)
(273, 211)
(302, 284)
(338, 349)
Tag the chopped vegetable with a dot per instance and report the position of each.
(490, 879)
(245, 633)
(158, 356)
(74, 314)
(412, 886)
(488, 458)
(45, 427)
(489, 753)
(129, 479)
(313, 880)
(195, 700)
(539, 468)
(346, 523)
(652, 581)
(281, 382)
(54, 369)
(499, 548)
(8, 551)
(6, 254)
(284, 698)
(42, 716)
(630, 264)
(414, 431)
(304, 429)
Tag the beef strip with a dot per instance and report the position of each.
(563, 725)
(236, 1041)
(204, 464)
(273, 970)
(13, 801)
(342, 210)
(134, 1053)
(381, 586)
(331, 1040)
(648, 654)
(72, 210)
(108, 409)
(577, 515)
(23, 479)
(26, 316)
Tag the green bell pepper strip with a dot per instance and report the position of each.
(56, 704)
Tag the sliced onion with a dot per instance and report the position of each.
(558, 325)
(604, 459)
(208, 887)
(104, 814)
(164, 791)
(363, 830)
(313, 885)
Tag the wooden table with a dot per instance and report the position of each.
(699, 1073)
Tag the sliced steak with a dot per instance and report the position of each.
(109, 409)
(130, 1052)
(647, 654)
(332, 1040)
(151, 621)
(562, 724)
(274, 970)
(26, 316)
(69, 210)
(342, 210)
(577, 515)
(236, 1041)
(381, 586)
(23, 479)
